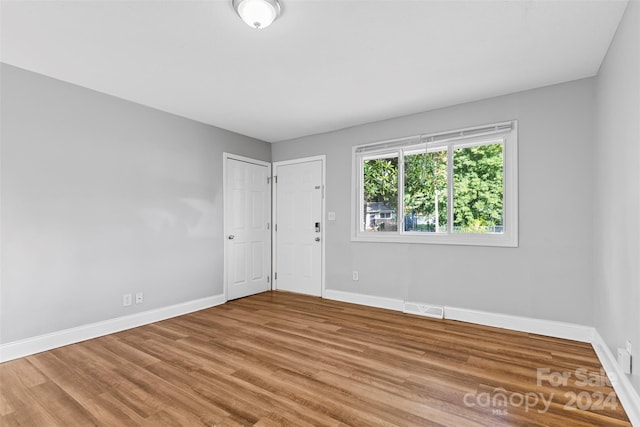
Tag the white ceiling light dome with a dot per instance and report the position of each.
(258, 14)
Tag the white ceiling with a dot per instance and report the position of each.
(323, 65)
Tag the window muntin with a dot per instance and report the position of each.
(456, 187)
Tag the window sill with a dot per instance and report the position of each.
(496, 240)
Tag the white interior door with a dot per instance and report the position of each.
(299, 228)
(247, 227)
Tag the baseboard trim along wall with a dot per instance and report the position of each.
(629, 398)
(569, 331)
(28, 346)
(549, 328)
(362, 299)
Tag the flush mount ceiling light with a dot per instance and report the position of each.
(257, 13)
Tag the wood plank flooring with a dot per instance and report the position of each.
(285, 359)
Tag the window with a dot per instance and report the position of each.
(456, 187)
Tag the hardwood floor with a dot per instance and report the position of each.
(285, 359)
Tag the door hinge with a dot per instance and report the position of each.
(267, 226)
(268, 180)
(275, 178)
(276, 276)
(267, 279)
(275, 227)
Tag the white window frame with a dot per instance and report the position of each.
(505, 132)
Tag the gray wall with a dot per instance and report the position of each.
(617, 167)
(102, 197)
(547, 277)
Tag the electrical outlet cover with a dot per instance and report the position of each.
(629, 348)
(624, 360)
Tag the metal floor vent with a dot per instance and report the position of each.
(424, 309)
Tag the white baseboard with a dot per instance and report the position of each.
(627, 394)
(550, 328)
(28, 346)
(362, 299)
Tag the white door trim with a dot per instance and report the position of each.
(323, 162)
(225, 157)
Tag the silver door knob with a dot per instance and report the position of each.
(231, 237)
(317, 239)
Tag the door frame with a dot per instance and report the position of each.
(229, 156)
(274, 236)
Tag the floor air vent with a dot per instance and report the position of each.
(424, 310)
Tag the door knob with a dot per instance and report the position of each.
(231, 237)
(317, 239)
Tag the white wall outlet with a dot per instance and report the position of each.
(126, 300)
(624, 360)
(139, 297)
(331, 216)
(629, 348)
(355, 276)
